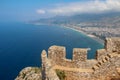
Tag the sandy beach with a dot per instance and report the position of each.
(89, 35)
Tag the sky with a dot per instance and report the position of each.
(27, 10)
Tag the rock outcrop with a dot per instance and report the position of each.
(30, 73)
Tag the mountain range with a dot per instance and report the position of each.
(109, 19)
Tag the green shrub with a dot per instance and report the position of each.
(60, 74)
(37, 69)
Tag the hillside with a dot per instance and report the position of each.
(100, 25)
(93, 20)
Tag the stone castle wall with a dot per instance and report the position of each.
(103, 67)
(57, 55)
(112, 44)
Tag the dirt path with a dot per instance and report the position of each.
(72, 69)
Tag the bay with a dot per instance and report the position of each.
(21, 45)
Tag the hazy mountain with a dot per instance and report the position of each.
(92, 20)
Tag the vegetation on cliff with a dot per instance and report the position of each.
(61, 74)
(30, 73)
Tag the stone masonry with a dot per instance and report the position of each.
(106, 66)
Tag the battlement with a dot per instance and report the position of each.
(57, 55)
(112, 44)
(106, 59)
(79, 54)
(56, 51)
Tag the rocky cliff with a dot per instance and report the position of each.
(30, 73)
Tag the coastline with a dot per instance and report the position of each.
(89, 35)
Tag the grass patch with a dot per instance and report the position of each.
(60, 74)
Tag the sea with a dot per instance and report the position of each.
(21, 45)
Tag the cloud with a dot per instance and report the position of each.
(95, 6)
(40, 11)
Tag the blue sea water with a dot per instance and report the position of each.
(21, 45)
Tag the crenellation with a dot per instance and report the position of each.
(79, 55)
(56, 54)
(100, 54)
(104, 67)
(54, 51)
(112, 44)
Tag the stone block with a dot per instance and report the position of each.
(79, 54)
(112, 44)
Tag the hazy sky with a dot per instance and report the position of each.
(24, 10)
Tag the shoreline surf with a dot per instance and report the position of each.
(89, 35)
